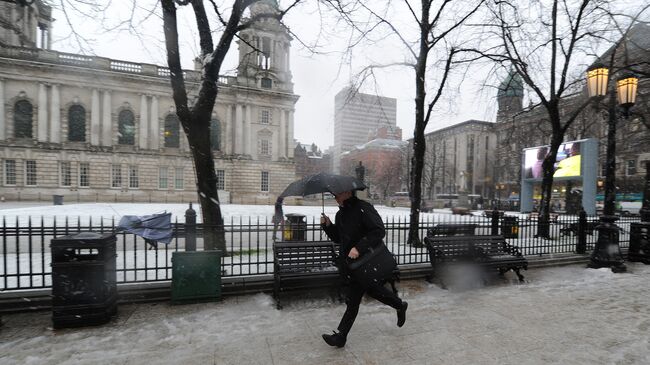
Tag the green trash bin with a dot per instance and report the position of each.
(196, 276)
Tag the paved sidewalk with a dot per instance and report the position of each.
(562, 315)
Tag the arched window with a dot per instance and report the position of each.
(215, 135)
(23, 116)
(126, 128)
(172, 136)
(267, 83)
(77, 123)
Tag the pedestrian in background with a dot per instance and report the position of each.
(278, 219)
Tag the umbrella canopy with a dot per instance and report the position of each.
(155, 227)
(322, 183)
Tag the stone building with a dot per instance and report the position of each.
(310, 160)
(97, 129)
(461, 154)
(519, 127)
(356, 116)
(383, 157)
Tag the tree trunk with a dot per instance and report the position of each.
(206, 177)
(548, 166)
(419, 142)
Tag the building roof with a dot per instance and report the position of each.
(378, 143)
(459, 125)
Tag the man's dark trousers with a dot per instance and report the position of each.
(376, 290)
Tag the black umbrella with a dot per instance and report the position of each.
(322, 183)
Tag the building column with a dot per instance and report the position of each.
(55, 115)
(228, 120)
(248, 135)
(154, 129)
(282, 146)
(42, 113)
(144, 123)
(95, 119)
(238, 130)
(107, 123)
(290, 135)
(3, 123)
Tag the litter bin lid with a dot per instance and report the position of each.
(295, 217)
(86, 237)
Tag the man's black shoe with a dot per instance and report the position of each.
(401, 314)
(335, 339)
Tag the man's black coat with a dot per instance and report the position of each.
(357, 225)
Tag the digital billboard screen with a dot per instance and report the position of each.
(567, 163)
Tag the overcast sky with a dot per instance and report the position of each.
(317, 77)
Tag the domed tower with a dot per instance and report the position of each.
(510, 96)
(264, 51)
(26, 24)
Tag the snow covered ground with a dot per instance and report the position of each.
(561, 315)
(232, 213)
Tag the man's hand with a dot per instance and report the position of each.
(325, 220)
(354, 253)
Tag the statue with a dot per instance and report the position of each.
(463, 181)
(361, 171)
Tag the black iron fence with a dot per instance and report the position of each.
(25, 253)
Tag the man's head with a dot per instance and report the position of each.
(342, 196)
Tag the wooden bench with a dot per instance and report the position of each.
(571, 229)
(301, 264)
(488, 252)
(309, 264)
(446, 229)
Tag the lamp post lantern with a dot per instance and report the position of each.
(607, 252)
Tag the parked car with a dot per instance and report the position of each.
(629, 208)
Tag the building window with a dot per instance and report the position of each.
(126, 128)
(66, 173)
(221, 179)
(77, 123)
(215, 135)
(162, 178)
(172, 130)
(178, 178)
(265, 147)
(603, 169)
(134, 182)
(10, 172)
(116, 175)
(23, 116)
(267, 83)
(84, 174)
(265, 116)
(631, 167)
(30, 173)
(264, 186)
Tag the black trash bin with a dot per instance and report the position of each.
(509, 227)
(84, 290)
(57, 199)
(296, 228)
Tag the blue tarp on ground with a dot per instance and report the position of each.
(155, 227)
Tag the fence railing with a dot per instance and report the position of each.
(25, 261)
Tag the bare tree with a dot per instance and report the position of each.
(543, 52)
(426, 38)
(195, 115)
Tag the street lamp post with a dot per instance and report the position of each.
(607, 252)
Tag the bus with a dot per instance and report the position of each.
(451, 200)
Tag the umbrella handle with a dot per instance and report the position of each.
(322, 196)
